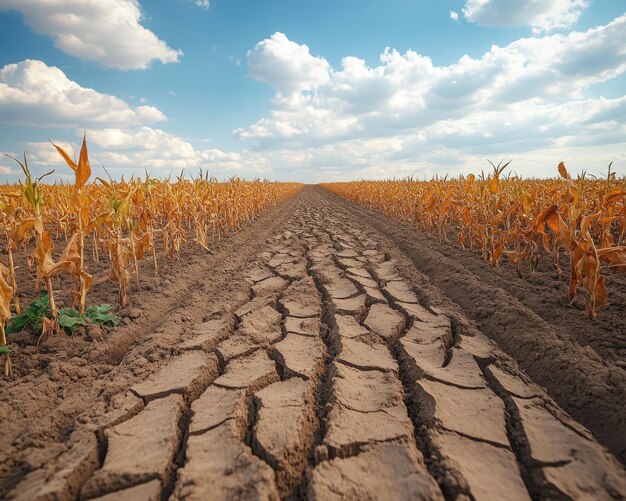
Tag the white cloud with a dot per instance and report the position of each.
(454, 16)
(203, 4)
(7, 170)
(33, 93)
(156, 149)
(287, 66)
(133, 150)
(105, 31)
(45, 155)
(534, 100)
(541, 15)
(406, 113)
(407, 91)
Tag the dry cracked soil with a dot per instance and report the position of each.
(320, 354)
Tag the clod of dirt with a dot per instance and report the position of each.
(284, 430)
(367, 407)
(386, 271)
(512, 384)
(359, 272)
(350, 306)
(390, 471)
(254, 304)
(217, 405)
(134, 313)
(462, 369)
(421, 314)
(495, 476)
(588, 471)
(384, 321)
(270, 286)
(303, 326)
(188, 374)
(235, 346)
(478, 345)
(93, 332)
(258, 274)
(208, 334)
(400, 290)
(301, 356)
(348, 327)
(341, 288)
(365, 355)
(139, 449)
(426, 333)
(64, 478)
(262, 325)
(301, 299)
(120, 407)
(219, 466)
(251, 372)
(474, 413)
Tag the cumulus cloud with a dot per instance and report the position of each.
(33, 93)
(156, 149)
(407, 90)
(541, 15)
(6, 170)
(43, 154)
(108, 32)
(287, 66)
(454, 16)
(136, 149)
(532, 95)
(203, 4)
(534, 100)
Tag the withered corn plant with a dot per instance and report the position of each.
(5, 315)
(506, 216)
(74, 252)
(123, 221)
(42, 254)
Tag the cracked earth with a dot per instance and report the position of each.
(320, 367)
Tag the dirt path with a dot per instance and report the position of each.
(318, 364)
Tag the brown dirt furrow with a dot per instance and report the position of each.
(366, 414)
(463, 419)
(589, 384)
(188, 373)
(72, 378)
(263, 372)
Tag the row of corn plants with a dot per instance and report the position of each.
(123, 220)
(517, 219)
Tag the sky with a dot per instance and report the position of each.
(322, 91)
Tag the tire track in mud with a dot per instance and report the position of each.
(326, 376)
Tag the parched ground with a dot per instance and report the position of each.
(323, 352)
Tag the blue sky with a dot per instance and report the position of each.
(314, 91)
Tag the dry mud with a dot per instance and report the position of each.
(310, 358)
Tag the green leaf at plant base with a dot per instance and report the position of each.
(4, 350)
(18, 322)
(69, 319)
(101, 315)
(32, 316)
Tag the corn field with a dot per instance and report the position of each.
(516, 219)
(124, 222)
